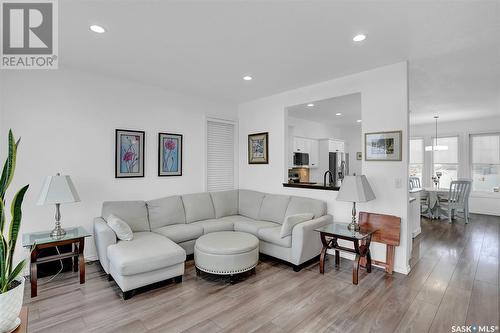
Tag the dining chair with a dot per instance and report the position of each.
(458, 199)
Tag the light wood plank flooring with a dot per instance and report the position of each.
(454, 281)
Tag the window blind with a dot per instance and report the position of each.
(220, 156)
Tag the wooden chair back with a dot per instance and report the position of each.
(388, 227)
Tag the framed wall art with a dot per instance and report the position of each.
(169, 154)
(129, 153)
(383, 146)
(258, 146)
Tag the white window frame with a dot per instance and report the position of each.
(470, 164)
(235, 153)
(459, 153)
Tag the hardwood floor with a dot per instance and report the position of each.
(454, 281)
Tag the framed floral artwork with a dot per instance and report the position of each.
(258, 145)
(129, 153)
(169, 154)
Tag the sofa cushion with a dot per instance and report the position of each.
(272, 235)
(180, 232)
(134, 213)
(291, 221)
(249, 203)
(253, 226)
(198, 206)
(225, 203)
(120, 227)
(214, 225)
(145, 253)
(300, 205)
(166, 211)
(274, 207)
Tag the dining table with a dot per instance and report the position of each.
(435, 193)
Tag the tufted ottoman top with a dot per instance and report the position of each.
(227, 242)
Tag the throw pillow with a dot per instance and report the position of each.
(120, 227)
(291, 221)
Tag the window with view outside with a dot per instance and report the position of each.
(416, 158)
(485, 155)
(446, 161)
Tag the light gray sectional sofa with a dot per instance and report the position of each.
(165, 231)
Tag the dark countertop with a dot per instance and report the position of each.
(314, 186)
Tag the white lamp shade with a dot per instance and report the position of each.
(355, 189)
(58, 189)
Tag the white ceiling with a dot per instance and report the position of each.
(324, 111)
(205, 47)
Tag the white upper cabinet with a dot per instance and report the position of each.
(336, 146)
(309, 146)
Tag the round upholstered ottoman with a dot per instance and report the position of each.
(226, 252)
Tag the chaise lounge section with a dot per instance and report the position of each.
(165, 231)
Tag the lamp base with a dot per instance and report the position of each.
(58, 232)
(353, 226)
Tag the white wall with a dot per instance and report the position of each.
(480, 202)
(67, 121)
(384, 100)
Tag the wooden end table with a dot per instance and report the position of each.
(42, 240)
(360, 239)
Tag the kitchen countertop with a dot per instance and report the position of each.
(314, 186)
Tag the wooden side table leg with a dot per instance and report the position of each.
(33, 272)
(81, 260)
(368, 261)
(322, 260)
(390, 251)
(75, 258)
(355, 269)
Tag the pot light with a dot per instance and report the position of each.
(359, 38)
(247, 78)
(97, 29)
(310, 105)
(338, 114)
(358, 121)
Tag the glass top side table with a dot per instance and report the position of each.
(361, 240)
(42, 240)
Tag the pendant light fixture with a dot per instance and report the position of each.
(436, 147)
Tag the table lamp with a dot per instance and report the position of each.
(355, 189)
(57, 190)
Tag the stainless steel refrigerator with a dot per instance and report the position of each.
(339, 166)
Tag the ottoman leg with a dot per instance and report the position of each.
(178, 279)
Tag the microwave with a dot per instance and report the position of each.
(300, 159)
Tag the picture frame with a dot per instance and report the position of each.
(383, 146)
(170, 154)
(258, 148)
(129, 153)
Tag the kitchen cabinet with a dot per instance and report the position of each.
(336, 146)
(309, 146)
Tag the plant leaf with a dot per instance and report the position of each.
(14, 274)
(15, 225)
(3, 252)
(2, 216)
(9, 166)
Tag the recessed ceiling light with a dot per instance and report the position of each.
(97, 29)
(310, 105)
(338, 114)
(358, 121)
(359, 38)
(247, 78)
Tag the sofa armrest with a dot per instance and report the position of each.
(104, 236)
(306, 243)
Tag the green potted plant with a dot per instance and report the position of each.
(11, 281)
